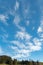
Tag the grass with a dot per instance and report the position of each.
(40, 63)
(3, 64)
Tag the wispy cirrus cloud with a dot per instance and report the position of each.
(1, 50)
(27, 23)
(17, 21)
(40, 30)
(16, 6)
(3, 19)
(3, 34)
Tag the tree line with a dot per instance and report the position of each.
(8, 60)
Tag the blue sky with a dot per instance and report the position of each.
(21, 29)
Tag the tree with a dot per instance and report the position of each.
(14, 62)
(37, 63)
(33, 63)
(6, 60)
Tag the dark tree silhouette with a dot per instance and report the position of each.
(37, 62)
(14, 62)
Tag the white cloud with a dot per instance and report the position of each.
(17, 19)
(39, 29)
(42, 22)
(27, 23)
(26, 10)
(16, 5)
(23, 45)
(3, 18)
(19, 44)
(20, 35)
(21, 28)
(40, 34)
(1, 51)
(20, 51)
(18, 56)
(23, 50)
(33, 28)
(23, 35)
(14, 47)
(22, 54)
(37, 42)
(3, 30)
(41, 39)
(4, 37)
(35, 48)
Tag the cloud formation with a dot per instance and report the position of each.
(24, 45)
(3, 19)
(24, 35)
(16, 6)
(1, 50)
